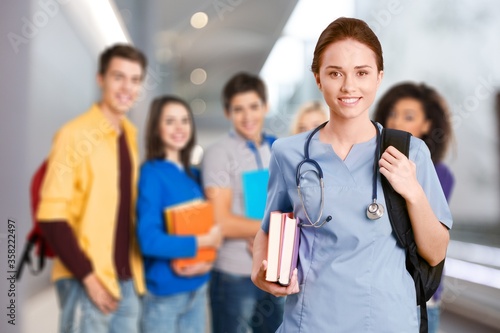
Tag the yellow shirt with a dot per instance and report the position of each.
(81, 187)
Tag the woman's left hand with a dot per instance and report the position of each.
(193, 270)
(399, 171)
(259, 279)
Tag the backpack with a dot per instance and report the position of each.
(425, 277)
(35, 237)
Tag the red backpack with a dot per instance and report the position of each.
(35, 237)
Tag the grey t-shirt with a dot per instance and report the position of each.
(223, 165)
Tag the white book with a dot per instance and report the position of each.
(289, 249)
(274, 246)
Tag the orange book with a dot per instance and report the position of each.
(191, 218)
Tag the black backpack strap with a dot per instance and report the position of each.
(396, 205)
(26, 257)
(424, 321)
(400, 220)
(412, 261)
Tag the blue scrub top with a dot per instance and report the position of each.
(351, 271)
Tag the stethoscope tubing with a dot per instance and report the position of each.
(374, 210)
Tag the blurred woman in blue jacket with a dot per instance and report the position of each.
(176, 301)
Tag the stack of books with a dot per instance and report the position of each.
(191, 218)
(282, 247)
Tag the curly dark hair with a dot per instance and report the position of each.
(440, 134)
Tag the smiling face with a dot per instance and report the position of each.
(409, 115)
(247, 112)
(120, 85)
(349, 78)
(175, 129)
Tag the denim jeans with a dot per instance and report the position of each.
(125, 319)
(433, 318)
(69, 292)
(238, 306)
(433, 313)
(185, 312)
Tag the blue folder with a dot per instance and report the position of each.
(255, 193)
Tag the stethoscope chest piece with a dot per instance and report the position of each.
(374, 211)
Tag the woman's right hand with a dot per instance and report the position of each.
(211, 239)
(193, 270)
(259, 279)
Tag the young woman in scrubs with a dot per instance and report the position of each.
(351, 275)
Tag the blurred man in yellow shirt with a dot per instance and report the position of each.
(87, 204)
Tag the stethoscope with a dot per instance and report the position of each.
(374, 210)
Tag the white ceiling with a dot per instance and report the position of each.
(238, 37)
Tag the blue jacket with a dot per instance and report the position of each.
(163, 184)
